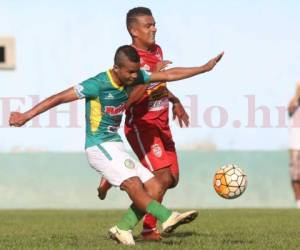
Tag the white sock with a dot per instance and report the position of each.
(298, 203)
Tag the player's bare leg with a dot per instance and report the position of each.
(142, 194)
(104, 186)
(294, 173)
(167, 179)
(296, 188)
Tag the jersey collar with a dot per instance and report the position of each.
(113, 83)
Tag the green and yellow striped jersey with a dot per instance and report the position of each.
(104, 105)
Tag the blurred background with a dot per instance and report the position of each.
(238, 111)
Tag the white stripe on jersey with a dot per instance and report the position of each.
(78, 88)
(142, 148)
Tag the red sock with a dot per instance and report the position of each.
(149, 223)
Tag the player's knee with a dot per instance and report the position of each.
(131, 185)
(175, 181)
(166, 180)
(158, 188)
(154, 188)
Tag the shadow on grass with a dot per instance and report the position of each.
(173, 238)
(183, 234)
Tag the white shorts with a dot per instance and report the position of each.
(115, 164)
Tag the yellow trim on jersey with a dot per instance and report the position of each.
(95, 114)
(113, 83)
(161, 85)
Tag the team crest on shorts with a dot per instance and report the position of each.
(156, 150)
(129, 164)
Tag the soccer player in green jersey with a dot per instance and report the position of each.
(147, 122)
(107, 95)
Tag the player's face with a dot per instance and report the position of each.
(144, 30)
(127, 72)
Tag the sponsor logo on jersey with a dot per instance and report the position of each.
(112, 110)
(129, 164)
(158, 104)
(156, 149)
(109, 97)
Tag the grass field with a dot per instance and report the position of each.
(213, 229)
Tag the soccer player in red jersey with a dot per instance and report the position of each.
(147, 123)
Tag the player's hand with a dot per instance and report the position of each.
(161, 65)
(212, 62)
(17, 119)
(179, 113)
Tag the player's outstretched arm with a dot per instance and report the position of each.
(139, 90)
(18, 119)
(175, 74)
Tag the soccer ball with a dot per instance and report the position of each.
(230, 181)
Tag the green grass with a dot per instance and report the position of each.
(213, 229)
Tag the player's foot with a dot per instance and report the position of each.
(176, 219)
(104, 186)
(151, 235)
(121, 236)
(298, 203)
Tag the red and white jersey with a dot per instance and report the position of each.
(155, 103)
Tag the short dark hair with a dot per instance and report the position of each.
(134, 13)
(128, 52)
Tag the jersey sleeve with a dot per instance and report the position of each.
(88, 89)
(143, 77)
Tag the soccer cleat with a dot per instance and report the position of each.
(151, 235)
(121, 236)
(104, 186)
(176, 219)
